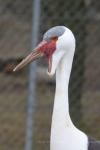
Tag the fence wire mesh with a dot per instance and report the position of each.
(83, 18)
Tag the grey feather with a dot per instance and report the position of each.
(54, 32)
(93, 144)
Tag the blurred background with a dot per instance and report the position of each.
(26, 97)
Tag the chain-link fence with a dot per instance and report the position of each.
(83, 18)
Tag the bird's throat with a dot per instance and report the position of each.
(61, 117)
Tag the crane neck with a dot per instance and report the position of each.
(63, 130)
(61, 104)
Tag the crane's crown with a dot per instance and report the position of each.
(56, 31)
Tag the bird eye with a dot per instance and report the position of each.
(54, 38)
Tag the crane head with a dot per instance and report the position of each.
(53, 46)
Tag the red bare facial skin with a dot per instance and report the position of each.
(44, 48)
(48, 49)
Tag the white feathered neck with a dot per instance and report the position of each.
(64, 135)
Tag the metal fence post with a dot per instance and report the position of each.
(32, 78)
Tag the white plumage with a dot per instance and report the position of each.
(64, 135)
(58, 46)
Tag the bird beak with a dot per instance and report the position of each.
(36, 53)
(44, 48)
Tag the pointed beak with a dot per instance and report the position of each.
(44, 48)
(35, 54)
